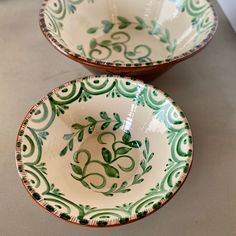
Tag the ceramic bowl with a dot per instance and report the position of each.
(128, 37)
(104, 151)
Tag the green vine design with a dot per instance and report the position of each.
(140, 53)
(120, 150)
(79, 132)
(144, 163)
(118, 42)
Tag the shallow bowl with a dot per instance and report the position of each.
(104, 151)
(131, 38)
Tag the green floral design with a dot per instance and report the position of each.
(33, 170)
(118, 40)
(120, 150)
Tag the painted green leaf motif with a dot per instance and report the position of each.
(147, 144)
(105, 125)
(105, 43)
(171, 48)
(92, 30)
(139, 27)
(117, 126)
(147, 169)
(130, 53)
(167, 34)
(145, 154)
(113, 187)
(71, 8)
(111, 171)
(91, 120)
(71, 144)
(124, 184)
(108, 25)
(106, 154)
(143, 165)
(93, 43)
(150, 157)
(122, 150)
(81, 135)
(77, 170)
(156, 29)
(77, 126)
(124, 22)
(43, 134)
(104, 115)
(117, 117)
(141, 23)
(124, 190)
(85, 184)
(135, 144)
(117, 48)
(142, 60)
(163, 39)
(126, 137)
(63, 151)
(67, 136)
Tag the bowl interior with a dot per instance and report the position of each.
(129, 31)
(105, 149)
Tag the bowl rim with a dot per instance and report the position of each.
(73, 220)
(110, 65)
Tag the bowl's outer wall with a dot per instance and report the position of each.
(144, 73)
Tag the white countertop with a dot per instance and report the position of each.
(203, 86)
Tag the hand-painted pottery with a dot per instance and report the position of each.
(128, 37)
(104, 151)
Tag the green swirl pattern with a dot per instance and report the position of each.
(201, 13)
(33, 171)
(119, 39)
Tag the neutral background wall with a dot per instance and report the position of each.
(229, 8)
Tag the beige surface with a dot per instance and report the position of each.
(203, 86)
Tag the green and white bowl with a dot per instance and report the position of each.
(128, 37)
(104, 151)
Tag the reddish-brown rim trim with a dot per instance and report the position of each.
(109, 65)
(43, 203)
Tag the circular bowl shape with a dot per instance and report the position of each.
(104, 151)
(108, 36)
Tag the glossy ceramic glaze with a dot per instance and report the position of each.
(104, 151)
(128, 37)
